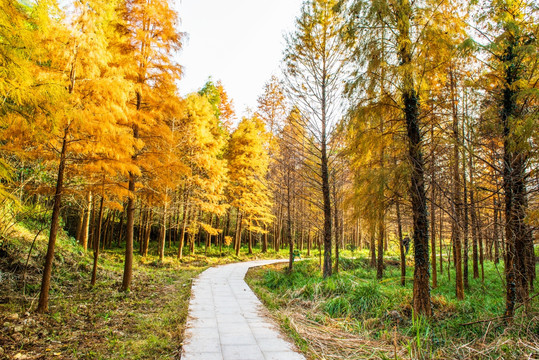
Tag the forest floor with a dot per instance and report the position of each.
(99, 322)
(353, 316)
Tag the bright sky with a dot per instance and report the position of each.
(239, 42)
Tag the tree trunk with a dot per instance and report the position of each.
(265, 239)
(97, 241)
(496, 234)
(237, 243)
(514, 185)
(372, 248)
(86, 224)
(250, 243)
(433, 212)
(401, 245)
(475, 242)
(128, 265)
(465, 260)
(78, 236)
(327, 203)
(421, 292)
(309, 242)
(43, 304)
(441, 225)
(147, 232)
(184, 227)
(193, 234)
(457, 251)
(121, 234)
(163, 234)
(380, 260)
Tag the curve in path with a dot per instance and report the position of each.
(226, 320)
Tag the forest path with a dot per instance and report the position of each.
(226, 320)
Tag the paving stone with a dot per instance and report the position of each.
(197, 355)
(242, 352)
(226, 320)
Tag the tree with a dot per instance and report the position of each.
(272, 109)
(201, 143)
(513, 56)
(150, 40)
(248, 160)
(409, 63)
(315, 59)
(73, 129)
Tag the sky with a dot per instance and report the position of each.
(239, 42)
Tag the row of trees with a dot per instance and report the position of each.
(91, 113)
(391, 117)
(415, 115)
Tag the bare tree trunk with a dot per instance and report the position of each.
(441, 216)
(128, 265)
(459, 288)
(121, 234)
(465, 275)
(182, 235)
(163, 234)
(327, 270)
(96, 243)
(148, 232)
(86, 224)
(381, 235)
(78, 236)
(237, 244)
(43, 304)
(401, 245)
(309, 242)
(373, 249)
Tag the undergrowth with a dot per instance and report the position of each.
(373, 310)
(97, 322)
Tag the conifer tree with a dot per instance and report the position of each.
(85, 118)
(202, 141)
(513, 54)
(150, 39)
(248, 160)
(315, 60)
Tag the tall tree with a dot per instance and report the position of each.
(513, 53)
(150, 39)
(79, 57)
(315, 59)
(248, 164)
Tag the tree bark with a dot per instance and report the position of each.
(97, 241)
(184, 227)
(43, 304)
(380, 260)
(421, 291)
(457, 251)
(401, 245)
(86, 224)
(237, 243)
(128, 265)
(163, 234)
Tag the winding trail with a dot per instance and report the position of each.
(226, 320)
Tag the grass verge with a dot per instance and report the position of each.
(97, 322)
(353, 316)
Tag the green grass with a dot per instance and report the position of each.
(99, 322)
(360, 303)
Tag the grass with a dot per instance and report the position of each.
(381, 312)
(97, 322)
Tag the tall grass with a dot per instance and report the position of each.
(355, 294)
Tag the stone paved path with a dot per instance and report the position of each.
(225, 320)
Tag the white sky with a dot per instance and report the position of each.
(239, 42)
